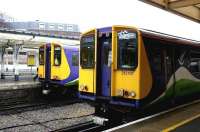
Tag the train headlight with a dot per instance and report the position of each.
(120, 92)
(126, 93)
(56, 78)
(82, 87)
(132, 94)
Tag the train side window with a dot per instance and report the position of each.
(41, 56)
(75, 59)
(194, 65)
(157, 62)
(127, 50)
(57, 55)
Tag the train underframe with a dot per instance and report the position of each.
(106, 113)
(49, 88)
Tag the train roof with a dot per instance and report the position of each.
(71, 46)
(168, 38)
(172, 39)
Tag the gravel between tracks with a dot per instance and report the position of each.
(60, 117)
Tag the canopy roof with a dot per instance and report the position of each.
(187, 8)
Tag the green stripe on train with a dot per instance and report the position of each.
(183, 87)
(72, 83)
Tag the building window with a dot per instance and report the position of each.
(69, 27)
(60, 27)
(51, 26)
(41, 26)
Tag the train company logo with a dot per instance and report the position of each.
(126, 35)
(181, 59)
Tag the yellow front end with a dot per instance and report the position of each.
(126, 83)
(130, 84)
(60, 69)
(87, 74)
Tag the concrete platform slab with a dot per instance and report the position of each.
(191, 124)
(161, 122)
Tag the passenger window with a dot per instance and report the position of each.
(157, 61)
(75, 59)
(57, 55)
(127, 50)
(41, 56)
(194, 65)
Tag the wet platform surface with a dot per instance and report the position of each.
(165, 121)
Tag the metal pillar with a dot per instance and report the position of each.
(15, 61)
(6, 54)
(2, 51)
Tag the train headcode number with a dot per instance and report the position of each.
(127, 72)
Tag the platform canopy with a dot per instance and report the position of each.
(31, 40)
(187, 8)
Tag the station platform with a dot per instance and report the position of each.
(178, 120)
(24, 82)
(6, 84)
(191, 124)
(22, 89)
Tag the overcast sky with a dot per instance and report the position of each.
(99, 13)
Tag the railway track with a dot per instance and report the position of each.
(19, 105)
(91, 127)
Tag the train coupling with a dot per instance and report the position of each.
(100, 120)
(45, 91)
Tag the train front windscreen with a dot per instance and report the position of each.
(87, 52)
(127, 49)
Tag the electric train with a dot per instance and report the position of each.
(58, 66)
(125, 67)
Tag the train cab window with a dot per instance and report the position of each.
(57, 55)
(127, 50)
(41, 56)
(75, 59)
(87, 52)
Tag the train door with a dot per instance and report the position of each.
(48, 62)
(103, 65)
(168, 69)
(75, 63)
(161, 67)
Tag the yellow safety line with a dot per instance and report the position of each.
(180, 123)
